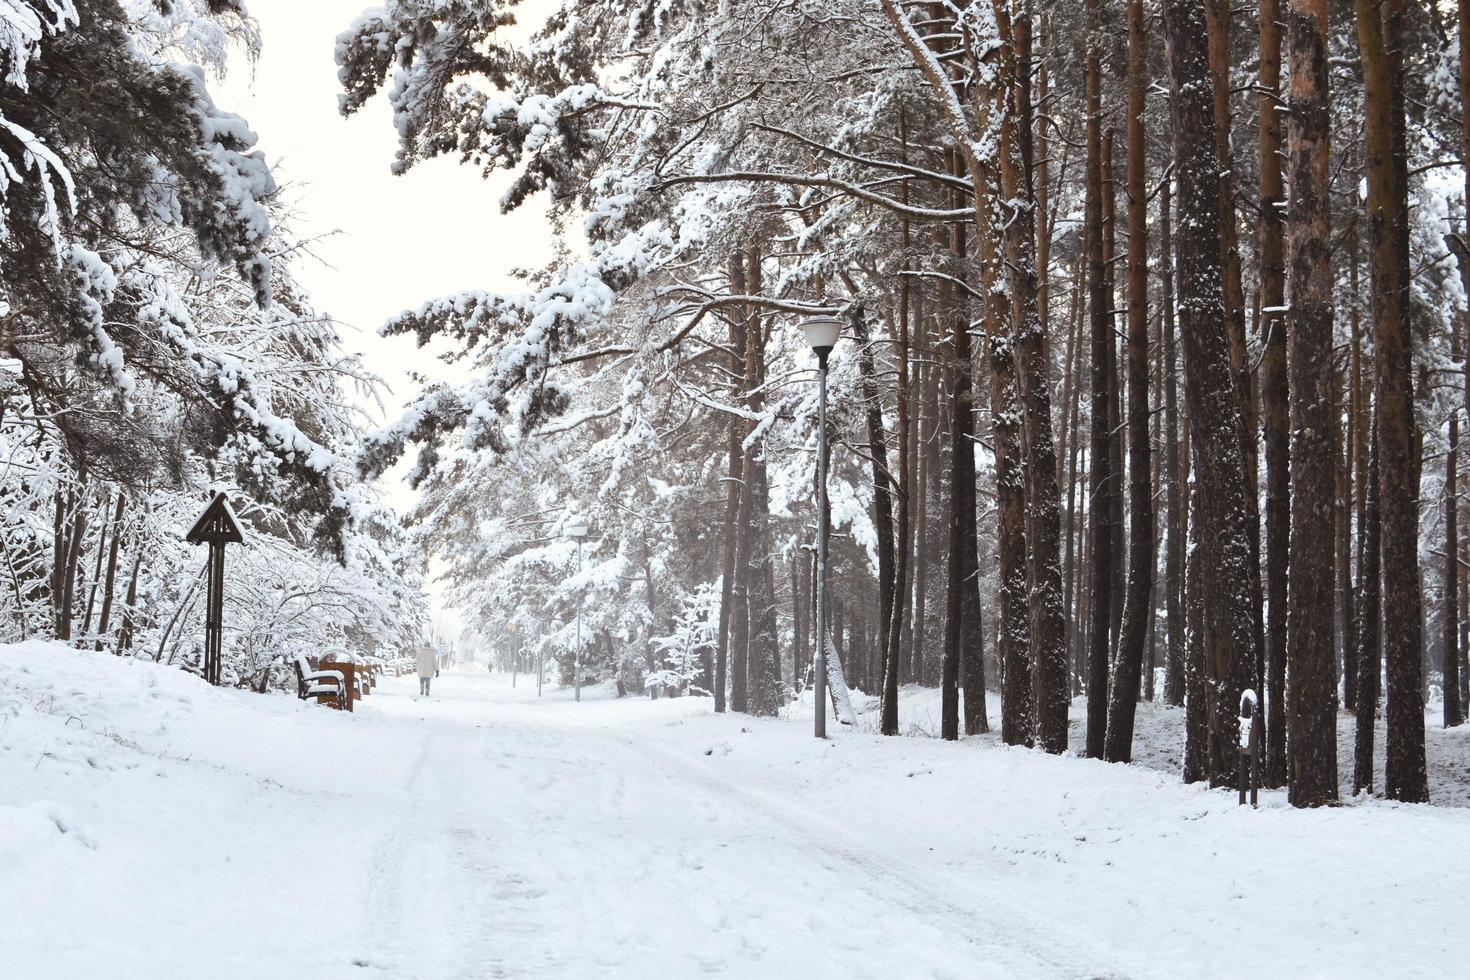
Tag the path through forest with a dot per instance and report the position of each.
(151, 826)
(537, 839)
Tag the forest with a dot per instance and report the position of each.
(156, 345)
(1148, 388)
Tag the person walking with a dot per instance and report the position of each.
(428, 665)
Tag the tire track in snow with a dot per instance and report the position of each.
(1023, 951)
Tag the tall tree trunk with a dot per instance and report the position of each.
(1360, 424)
(740, 588)
(1274, 389)
(1100, 532)
(1137, 612)
(763, 664)
(1197, 669)
(1453, 710)
(888, 603)
(903, 547)
(105, 617)
(78, 514)
(1174, 686)
(1046, 684)
(1218, 15)
(1369, 649)
(962, 650)
(1405, 777)
(1312, 695)
(1072, 389)
(923, 451)
(1117, 424)
(734, 484)
(99, 548)
(1223, 528)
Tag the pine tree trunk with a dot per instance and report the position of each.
(923, 451)
(1312, 694)
(1174, 661)
(78, 513)
(1197, 672)
(740, 626)
(99, 548)
(1072, 600)
(1274, 389)
(1360, 423)
(1100, 532)
(1370, 607)
(1223, 528)
(1405, 776)
(762, 662)
(105, 617)
(882, 523)
(734, 492)
(1137, 612)
(1046, 683)
(1117, 423)
(1453, 710)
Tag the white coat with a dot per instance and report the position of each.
(427, 661)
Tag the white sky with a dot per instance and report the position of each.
(392, 242)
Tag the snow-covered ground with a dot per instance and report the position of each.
(153, 827)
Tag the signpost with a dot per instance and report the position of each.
(216, 527)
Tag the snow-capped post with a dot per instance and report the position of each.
(1250, 747)
(216, 527)
(577, 530)
(821, 334)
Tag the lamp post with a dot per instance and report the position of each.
(821, 335)
(515, 654)
(577, 530)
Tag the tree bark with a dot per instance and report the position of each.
(1369, 650)
(1453, 710)
(1174, 686)
(1312, 694)
(1274, 389)
(1046, 684)
(105, 617)
(888, 603)
(1405, 776)
(1223, 528)
(1137, 611)
(740, 588)
(1100, 532)
(762, 662)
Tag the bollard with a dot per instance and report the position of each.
(1249, 744)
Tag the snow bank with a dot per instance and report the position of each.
(152, 826)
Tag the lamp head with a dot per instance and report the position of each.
(821, 334)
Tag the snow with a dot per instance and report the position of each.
(152, 826)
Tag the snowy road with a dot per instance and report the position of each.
(540, 840)
(152, 828)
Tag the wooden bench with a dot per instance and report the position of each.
(328, 686)
(351, 675)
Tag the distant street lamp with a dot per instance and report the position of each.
(577, 530)
(515, 653)
(821, 335)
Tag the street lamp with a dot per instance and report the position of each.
(577, 530)
(821, 334)
(515, 654)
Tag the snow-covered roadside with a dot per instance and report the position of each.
(153, 827)
(1159, 740)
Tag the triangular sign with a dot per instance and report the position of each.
(216, 524)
